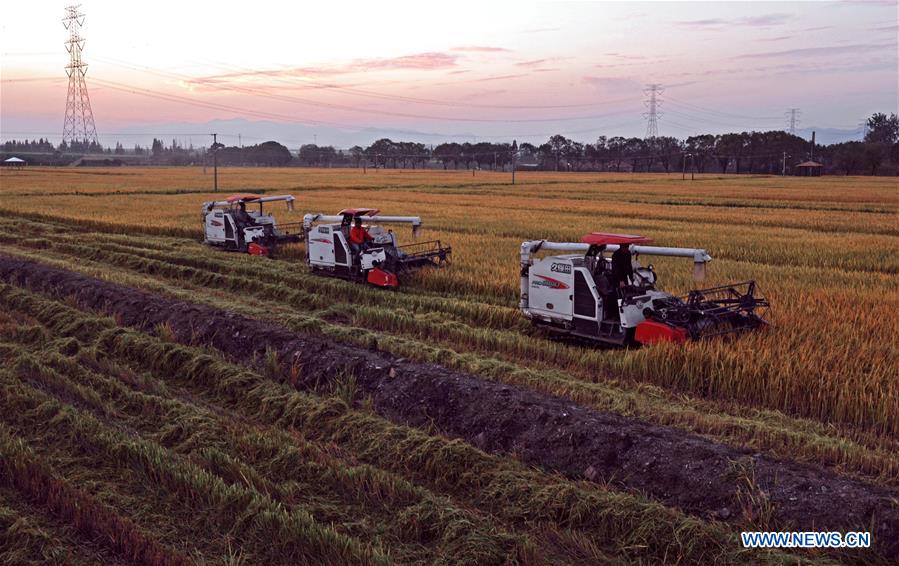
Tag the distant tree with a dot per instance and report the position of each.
(557, 145)
(357, 154)
(636, 150)
(527, 150)
(616, 148)
(882, 128)
(309, 155)
(875, 153)
(701, 147)
(668, 150)
(849, 156)
(448, 153)
(729, 147)
(381, 151)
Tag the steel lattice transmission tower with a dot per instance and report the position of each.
(79, 122)
(792, 119)
(653, 91)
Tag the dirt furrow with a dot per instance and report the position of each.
(677, 468)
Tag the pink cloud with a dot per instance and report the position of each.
(499, 78)
(481, 49)
(418, 61)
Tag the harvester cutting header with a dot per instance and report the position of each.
(349, 246)
(614, 299)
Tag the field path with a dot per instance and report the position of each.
(674, 467)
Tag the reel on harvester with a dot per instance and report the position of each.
(714, 311)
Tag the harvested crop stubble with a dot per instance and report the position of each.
(359, 500)
(510, 491)
(683, 470)
(271, 531)
(21, 469)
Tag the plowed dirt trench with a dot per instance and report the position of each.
(672, 466)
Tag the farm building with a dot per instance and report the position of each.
(809, 169)
(15, 163)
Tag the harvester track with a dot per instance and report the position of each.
(676, 468)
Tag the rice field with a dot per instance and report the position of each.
(137, 423)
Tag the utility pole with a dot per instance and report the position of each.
(215, 163)
(653, 91)
(783, 171)
(514, 159)
(78, 126)
(792, 119)
(683, 175)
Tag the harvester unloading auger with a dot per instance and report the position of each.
(379, 261)
(577, 294)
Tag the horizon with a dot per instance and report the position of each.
(478, 73)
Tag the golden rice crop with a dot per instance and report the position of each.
(822, 249)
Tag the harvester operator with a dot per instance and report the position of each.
(241, 217)
(359, 237)
(622, 267)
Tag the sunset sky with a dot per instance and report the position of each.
(490, 70)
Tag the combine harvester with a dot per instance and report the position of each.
(577, 294)
(227, 224)
(380, 261)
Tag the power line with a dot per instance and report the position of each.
(706, 110)
(78, 125)
(715, 122)
(652, 117)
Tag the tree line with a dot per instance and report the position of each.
(770, 152)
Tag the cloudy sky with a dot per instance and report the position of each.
(489, 70)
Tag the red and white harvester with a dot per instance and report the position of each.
(576, 294)
(379, 262)
(229, 225)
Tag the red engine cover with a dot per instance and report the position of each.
(652, 332)
(257, 249)
(382, 278)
